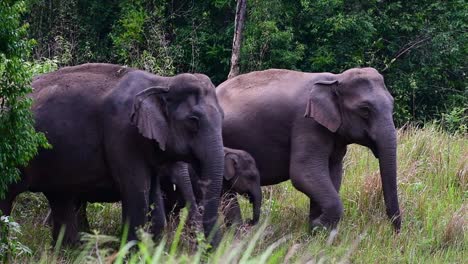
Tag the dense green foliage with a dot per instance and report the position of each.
(420, 46)
(18, 140)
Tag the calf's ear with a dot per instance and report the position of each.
(231, 163)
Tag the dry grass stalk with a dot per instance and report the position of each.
(456, 228)
(462, 172)
(371, 194)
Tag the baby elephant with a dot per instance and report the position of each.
(241, 176)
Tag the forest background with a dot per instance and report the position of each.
(419, 46)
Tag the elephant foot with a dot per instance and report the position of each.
(67, 234)
(318, 224)
(64, 220)
(195, 221)
(252, 222)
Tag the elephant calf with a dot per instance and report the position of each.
(241, 176)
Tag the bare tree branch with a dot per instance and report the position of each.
(406, 48)
(237, 40)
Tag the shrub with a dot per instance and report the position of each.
(18, 140)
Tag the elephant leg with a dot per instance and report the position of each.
(135, 206)
(169, 195)
(314, 210)
(133, 176)
(63, 216)
(184, 185)
(82, 218)
(231, 210)
(336, 172)
(309, 173)
(336, 166)
(7, 204)
(158, 215)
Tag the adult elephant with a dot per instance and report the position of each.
(264, 115)
(111, 127)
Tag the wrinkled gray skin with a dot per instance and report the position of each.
(240, 177)
(111, 127)
(297, 126)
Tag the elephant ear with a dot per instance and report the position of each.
(231, 162)
(323, 106)
(149, 114)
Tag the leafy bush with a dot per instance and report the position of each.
(9, 243)
(18, 140)
(456, 120)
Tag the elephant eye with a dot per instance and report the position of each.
(193, 123)
(364, 112)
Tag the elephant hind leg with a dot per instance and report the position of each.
(63, 217)
(5, 206)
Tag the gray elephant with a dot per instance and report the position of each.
(264, 115)
(111, 128)
(241, 176)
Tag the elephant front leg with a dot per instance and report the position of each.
(310, 174)
(63, 218)
(158, 212)
(135, 207)
(336, 174)
(133, 177)
(82, 218)
(336, 166)
(183, 182)
(314, 210)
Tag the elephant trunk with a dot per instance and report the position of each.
(211, 156)
(256, 200)
(387, 153)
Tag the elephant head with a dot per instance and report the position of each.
(357, 107)
(183, 116)
(241, 176)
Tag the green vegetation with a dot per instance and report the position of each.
(419, 46)
(18, 140)
(433, 167)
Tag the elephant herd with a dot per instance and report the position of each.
(157, 143)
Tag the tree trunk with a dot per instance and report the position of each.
(237, 40)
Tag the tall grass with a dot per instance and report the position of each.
(432, 180)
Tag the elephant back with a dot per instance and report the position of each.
(75, 80)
